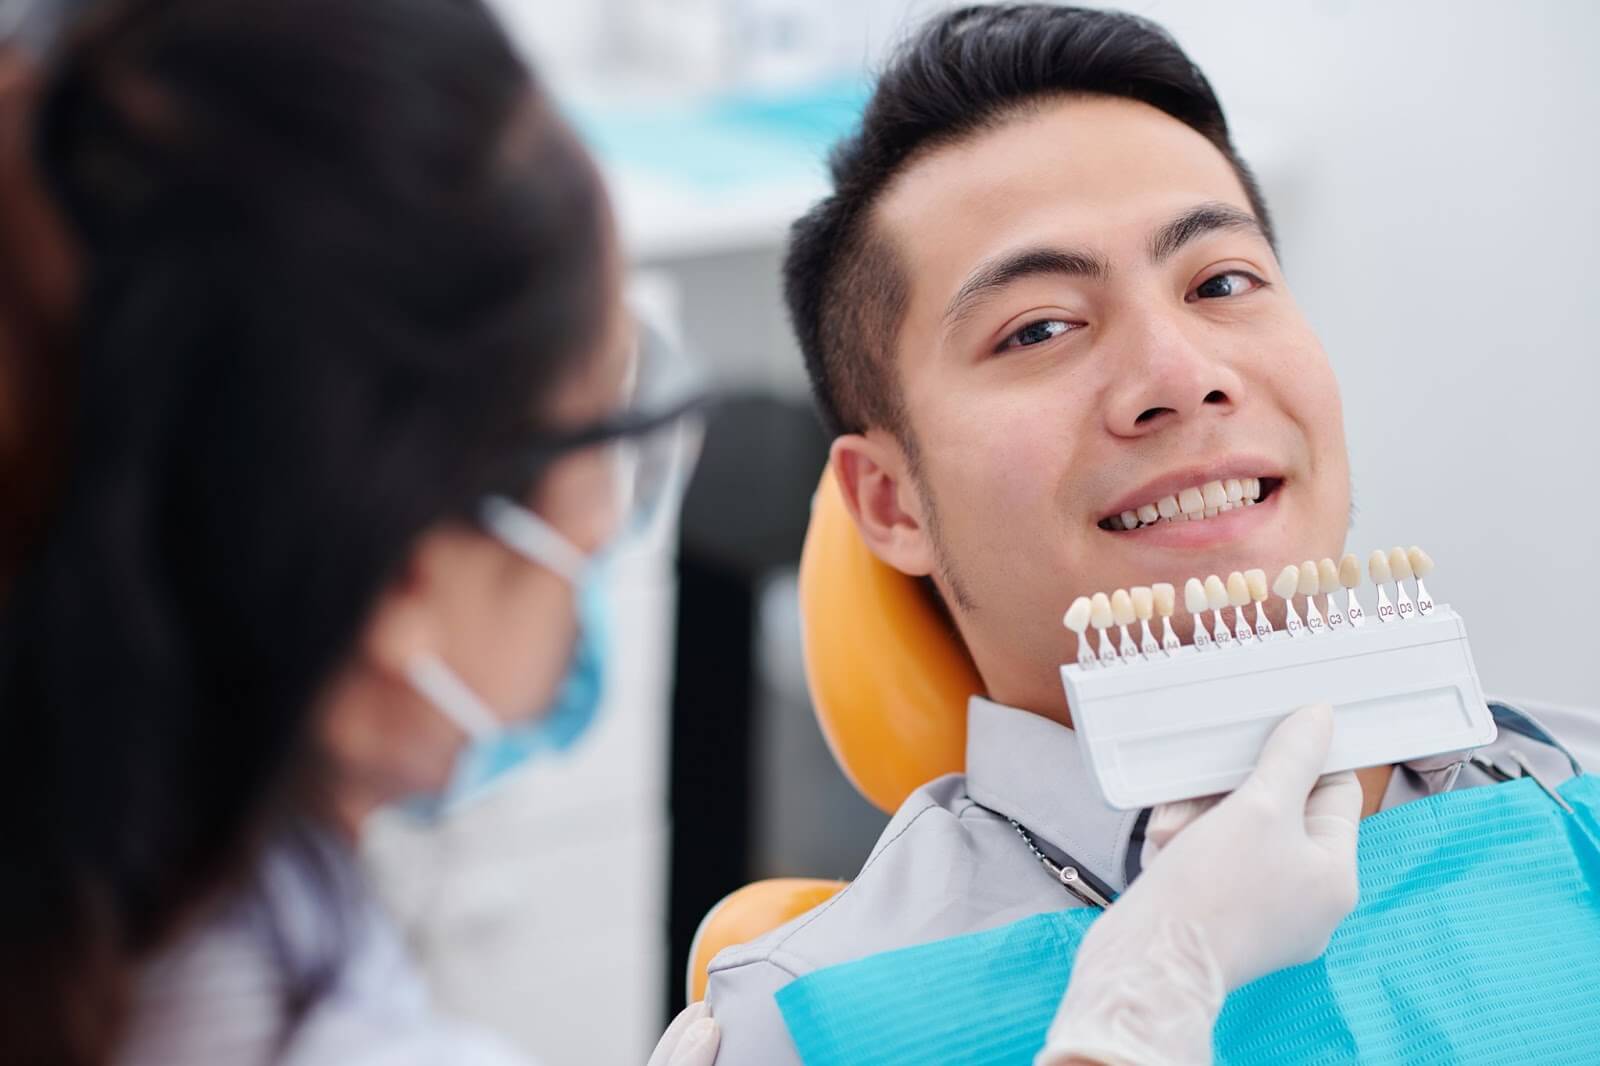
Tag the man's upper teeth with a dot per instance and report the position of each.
(1199, 502)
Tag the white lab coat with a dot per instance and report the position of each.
(300, 967)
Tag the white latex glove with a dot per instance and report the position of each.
(691, 1039)
(1240, 887)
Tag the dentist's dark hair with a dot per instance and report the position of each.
(964, 72)
(330, 255)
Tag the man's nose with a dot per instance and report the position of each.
(1164, 376)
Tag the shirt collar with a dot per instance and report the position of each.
(1026, 767)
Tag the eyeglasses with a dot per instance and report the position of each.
(650, 445)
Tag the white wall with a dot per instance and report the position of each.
(1434, 169)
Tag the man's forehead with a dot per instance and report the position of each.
(1096, 172)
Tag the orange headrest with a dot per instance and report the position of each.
(888, 678)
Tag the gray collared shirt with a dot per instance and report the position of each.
(950, 861)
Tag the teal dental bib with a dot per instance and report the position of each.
(1477, 940)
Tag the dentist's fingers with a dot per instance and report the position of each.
(1170, 819)
(1292, 760)
(691, 1039)
(1333, 813)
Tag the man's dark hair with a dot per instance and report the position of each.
(964, 72)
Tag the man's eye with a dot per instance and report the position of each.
(1229, 283)
(1036, 333)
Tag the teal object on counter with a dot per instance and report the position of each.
(734, 140)
(1477, 940)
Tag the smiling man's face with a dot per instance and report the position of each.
(1094, 324)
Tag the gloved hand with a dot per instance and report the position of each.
(1242, 887)
(691, 1039)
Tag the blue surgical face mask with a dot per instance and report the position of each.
(494, 746)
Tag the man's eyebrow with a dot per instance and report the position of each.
(1002, 270)
(1196, 222)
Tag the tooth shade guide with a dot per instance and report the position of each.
(1350, 571)
(1400, 568)
(1399, 565)
(1424, 599)
(1077, 620)
(1308, 586)
(1385, 608)
(1100, 618)
(1169, 639)
(1331, 609)
(1284, 587)
(1353, 611)
(1378, 568)
(1399, 692)
(1122, 612)
(1122, 607)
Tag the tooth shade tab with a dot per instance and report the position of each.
(1256, 582)
(1100, 611)
(1287, 582)
(1122, 607)
(1308, 578)
(1143, 602)
(1399, 564)
(1216, 593)
(1167, 506)
(1194, 595)
(1350, 570)
(1191, 502)
(1233, 489)
(1238, 590)
(1327, 575)
(1077, 616)
(1166, 598)
(1421, 565)
(1378, 568)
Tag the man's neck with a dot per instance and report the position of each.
(1374, 783)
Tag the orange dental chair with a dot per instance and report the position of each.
(889, 681)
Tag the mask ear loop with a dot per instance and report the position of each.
(533, 538)
(439, 685)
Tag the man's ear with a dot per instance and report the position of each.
(874, 477)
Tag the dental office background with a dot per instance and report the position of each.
(1431, 167)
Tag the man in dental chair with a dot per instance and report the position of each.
(1044, 294)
